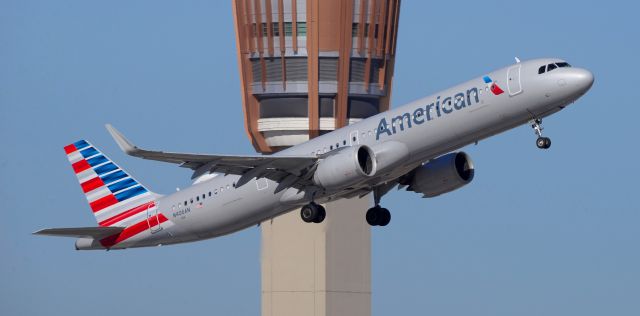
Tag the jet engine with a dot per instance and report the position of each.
(441, 175)
(345, 168)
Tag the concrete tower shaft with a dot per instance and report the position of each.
(311, 66)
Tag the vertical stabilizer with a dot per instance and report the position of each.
(115, 198)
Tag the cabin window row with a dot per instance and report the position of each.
(202, 197)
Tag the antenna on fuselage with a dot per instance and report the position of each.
(517, 59)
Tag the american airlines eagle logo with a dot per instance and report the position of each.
(495, 89)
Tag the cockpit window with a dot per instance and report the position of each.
(550, 67)
(542, 69)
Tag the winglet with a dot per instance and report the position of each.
(124, 144)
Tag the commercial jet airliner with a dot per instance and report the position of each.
(412, 147)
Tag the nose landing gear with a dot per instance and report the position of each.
(541, 142)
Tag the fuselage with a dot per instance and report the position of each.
(423, 130)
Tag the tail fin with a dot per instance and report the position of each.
(115, 198)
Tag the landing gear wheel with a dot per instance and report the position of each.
(385, 217)
(378, 216)
(322, 213)
(543, 142)
(313, 212)
(308, 213)
(373, 214)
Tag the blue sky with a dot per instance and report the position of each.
(537, 233)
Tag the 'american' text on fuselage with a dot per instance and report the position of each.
(418, 116)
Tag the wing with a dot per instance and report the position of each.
(294, 170)
(93, 232)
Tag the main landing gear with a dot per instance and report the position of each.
(541, 142)
(378, 216)
(313, 213)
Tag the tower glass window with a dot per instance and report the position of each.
(301, 28)
(288, 29)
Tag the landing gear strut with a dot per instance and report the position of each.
(541, 142)
(313, 213)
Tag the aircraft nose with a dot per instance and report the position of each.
(581, 79)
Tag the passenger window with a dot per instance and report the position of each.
(344, 142)
(203, 196)
(191, 200)
(354, 138)
(541, 70)
(209, 193)
(197, 198)
(331, 147)
(551, 67)
(337, 145)
(185, 203)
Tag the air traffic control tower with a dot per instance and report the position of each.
(308, 67)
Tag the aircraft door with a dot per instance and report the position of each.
(353, 138)
(152, 218)
(513, 80)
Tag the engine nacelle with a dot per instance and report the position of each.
(441, 175)
(345, 168)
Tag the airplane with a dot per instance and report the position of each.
(411, 147)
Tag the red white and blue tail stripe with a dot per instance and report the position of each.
(115, 198)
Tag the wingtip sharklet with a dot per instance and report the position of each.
(127, 146)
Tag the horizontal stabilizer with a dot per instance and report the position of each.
(80, 232)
